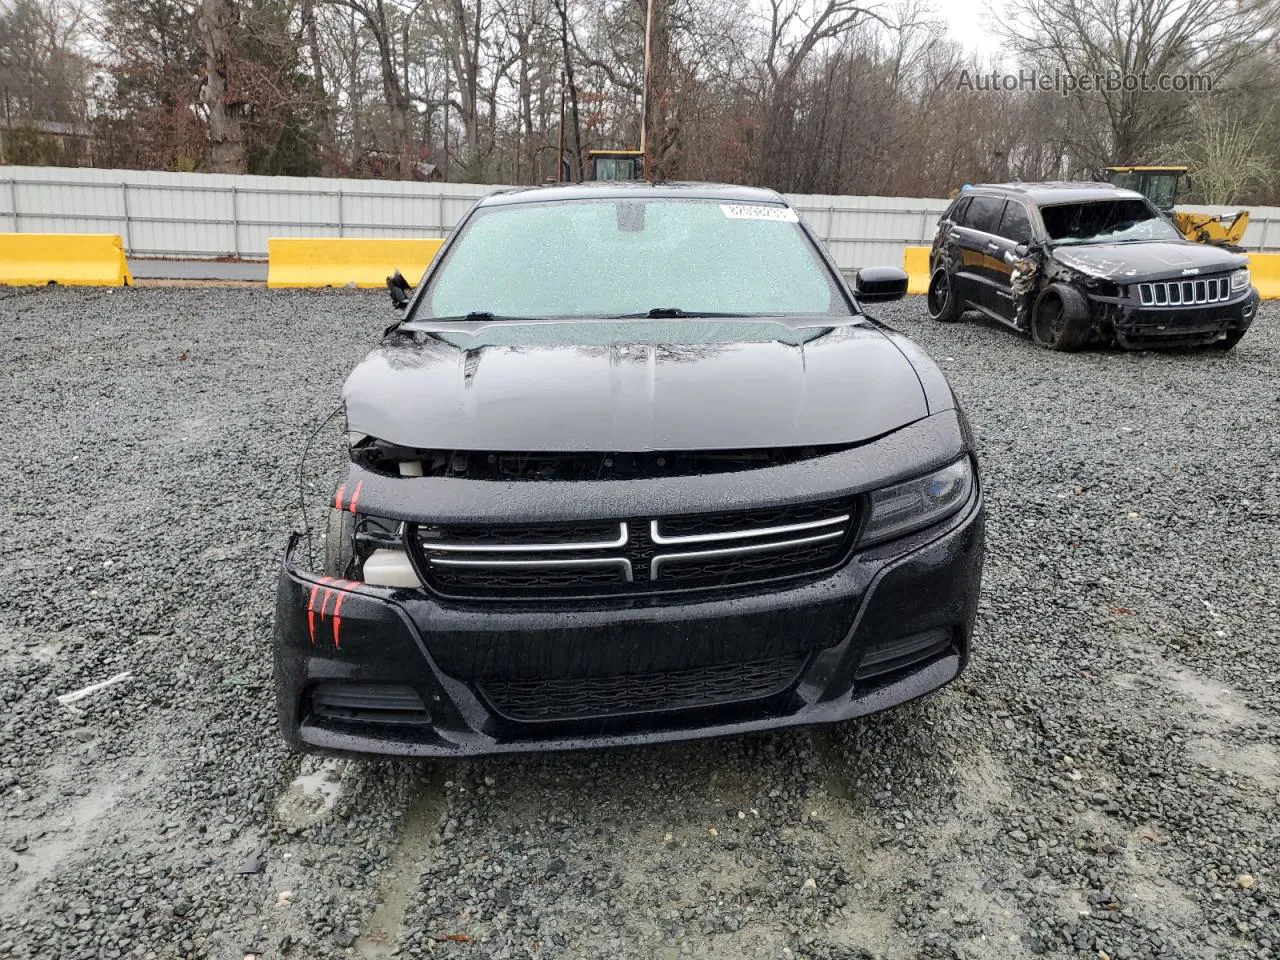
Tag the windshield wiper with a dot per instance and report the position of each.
(671, 313)
(478, 316)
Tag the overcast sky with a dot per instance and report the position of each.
(972, 23)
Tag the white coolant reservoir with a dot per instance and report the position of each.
(390, 568)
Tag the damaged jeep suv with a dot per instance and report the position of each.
(1079, 263)
(634, 466)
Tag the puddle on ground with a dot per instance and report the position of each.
(314, 792)
(1216, 701)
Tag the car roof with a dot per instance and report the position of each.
(631, 189)
(1056, 191)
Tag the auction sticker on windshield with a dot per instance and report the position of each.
(745, 211)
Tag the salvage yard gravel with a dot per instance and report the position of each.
(1102, 782)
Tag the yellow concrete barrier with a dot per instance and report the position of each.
(1265, 270)
(345, 261)
(74, 259)
(915, 260)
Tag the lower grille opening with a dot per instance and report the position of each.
(368, 703)
(886, 658)
(579, 698)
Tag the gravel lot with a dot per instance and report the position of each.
(1103, 782)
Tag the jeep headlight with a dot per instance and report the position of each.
(918, 503)
(1240, 280)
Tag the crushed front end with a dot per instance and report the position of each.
(1173, 312)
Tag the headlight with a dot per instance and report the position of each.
(1240, 280)
(918, 503)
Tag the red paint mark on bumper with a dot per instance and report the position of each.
(337, 620)
(322, 590)
(311, 613)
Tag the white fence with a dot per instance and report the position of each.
(216, 215)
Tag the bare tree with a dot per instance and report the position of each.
(795, 30)
(1224, 153)
(821, 96)
(378, 18)
(218, 21)
(562, 11)
(1135, 43)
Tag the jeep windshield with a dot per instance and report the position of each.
(1106, 221)
(613, 258)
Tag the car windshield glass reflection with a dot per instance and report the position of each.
(1106, 221)
(613, 257)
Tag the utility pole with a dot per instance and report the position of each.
(560, 150)
(8, 128)
(644, 90)
(445, 132)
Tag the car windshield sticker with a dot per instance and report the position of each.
(743, 211)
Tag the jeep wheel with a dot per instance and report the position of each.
(1061, 318)
(943, 304)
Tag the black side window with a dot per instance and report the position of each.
(983, 214)
(956, 214)
(1015, 225)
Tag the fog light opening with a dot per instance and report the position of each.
(903, 652)
(368, 703)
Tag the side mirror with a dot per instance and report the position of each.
(1022, 250)
(399, 289)
(880, 284)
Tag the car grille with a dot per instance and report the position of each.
(639, 555)
(1185, 293)
(582, 698)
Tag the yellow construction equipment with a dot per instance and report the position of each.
(1161, 186)
(615, 164)
(74, 259)
(346, 261)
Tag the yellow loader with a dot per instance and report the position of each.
(1160, 186)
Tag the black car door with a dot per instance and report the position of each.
(975, 239)
(1014, 228)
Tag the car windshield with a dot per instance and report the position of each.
(1106, 221)
(612, 258)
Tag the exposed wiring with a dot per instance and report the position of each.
(302, 493)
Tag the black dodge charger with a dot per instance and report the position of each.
(634, 466)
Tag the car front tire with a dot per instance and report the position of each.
(339, 543)
(1061, 318)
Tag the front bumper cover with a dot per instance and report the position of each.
(922, 586)
(1137, 326)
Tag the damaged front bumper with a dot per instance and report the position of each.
(1137, 326)
(369, 669)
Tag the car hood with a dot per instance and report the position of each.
(1147, 260)
(633, 385)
